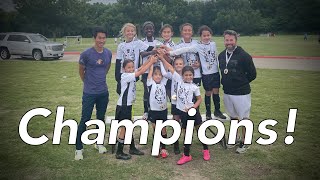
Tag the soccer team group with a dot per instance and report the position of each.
(169, 72)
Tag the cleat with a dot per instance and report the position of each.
(218, 113)
(184, 159)
(78, 155)
(100, 148)
(123, 156)
(242, 148)
(135, 151)
(164, 153)
(206, 155)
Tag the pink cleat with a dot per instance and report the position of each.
(184, 159)
(164, 153)
(206, 155)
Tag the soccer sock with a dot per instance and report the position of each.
(176, 144)
(207, 102)
(132, 145)
(186, 150)
(163, 146)
(120, 144)
(216, 101)
(145, 105)
(205, 147)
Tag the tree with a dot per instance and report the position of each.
(237, 15)
(54, 16)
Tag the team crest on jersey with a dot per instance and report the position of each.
(129, 54)
(209, 56)
(183, 95)
(99, 61)
(160, 95)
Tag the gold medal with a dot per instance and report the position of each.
(225, 71)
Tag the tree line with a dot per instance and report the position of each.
(57, 18)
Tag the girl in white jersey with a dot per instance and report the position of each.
(208, 53)
(148, 29)
(158, 101)
(129, 49)
(178, 64)
(126, 99)
(187, 92)
(166, 32)
(190, 58)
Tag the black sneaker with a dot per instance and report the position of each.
(218, 113)
(123, 156)
(242, 148)
(208, 115)
(135, 151)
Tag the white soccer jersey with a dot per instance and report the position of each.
(128, 89)
(131, 50)
(174, 83)
(185, 93)
(207, 53)
(189, 57)
(169, 44)
(158, 96)
(152, 43)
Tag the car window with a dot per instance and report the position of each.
(38, 38)
(19, 38)
(2, 36)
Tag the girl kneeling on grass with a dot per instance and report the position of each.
(124, 104)
(187, 92)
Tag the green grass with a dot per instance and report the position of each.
(282, 45)
(25, 85)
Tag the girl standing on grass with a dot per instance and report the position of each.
(208, 54)
(190, 58)
(178, 64)
(125, 101)
(187, 92)
(158, 101)
(166, 32)
(148, 29)
(129, 49)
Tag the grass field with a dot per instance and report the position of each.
(282, 45)
(25, 85)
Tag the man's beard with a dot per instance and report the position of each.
(231, 49)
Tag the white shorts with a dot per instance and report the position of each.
(237, 106)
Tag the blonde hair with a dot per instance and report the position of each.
(125, 26)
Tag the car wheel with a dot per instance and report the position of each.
(4, 53)
(37, 55)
